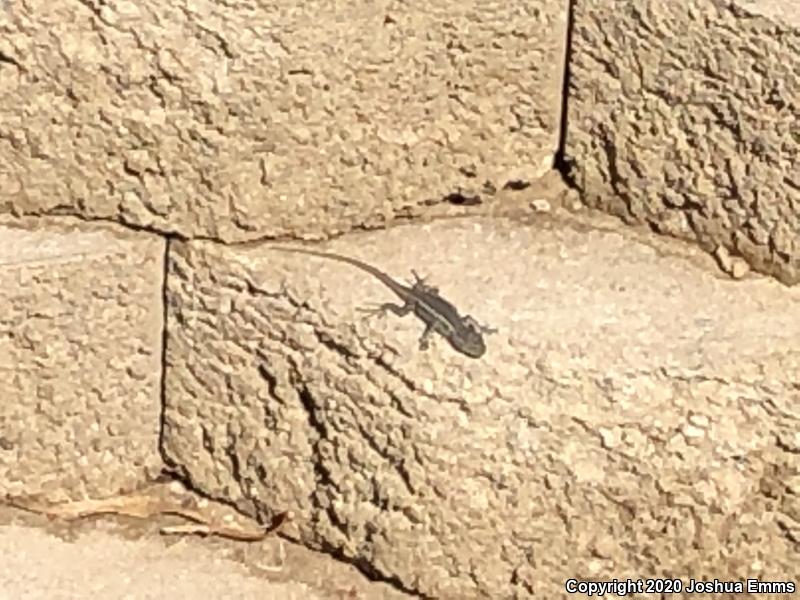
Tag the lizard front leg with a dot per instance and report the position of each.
(470, 321)
(381, 310)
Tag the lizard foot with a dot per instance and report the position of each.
(479, 327)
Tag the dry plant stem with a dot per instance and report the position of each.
(146, 506)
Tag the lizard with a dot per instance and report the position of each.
(463, 333)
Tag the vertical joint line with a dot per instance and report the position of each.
(164, 336)
(560, 161)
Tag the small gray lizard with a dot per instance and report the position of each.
(464, 333)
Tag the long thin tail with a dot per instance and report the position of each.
(384, 278)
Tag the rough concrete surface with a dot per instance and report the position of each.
(685, 116)
(81, 320)
(635, 416)
(260, 119)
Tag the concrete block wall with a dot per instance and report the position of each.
(633, 398)
(228, 125)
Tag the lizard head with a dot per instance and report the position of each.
(469, 340)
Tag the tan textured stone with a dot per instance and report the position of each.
(635, 415)
(686, 116)
(245, 120)
(80, 359)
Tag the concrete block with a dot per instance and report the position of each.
(635, 415)
(246, 120)
(81, 322)
(684, 116)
